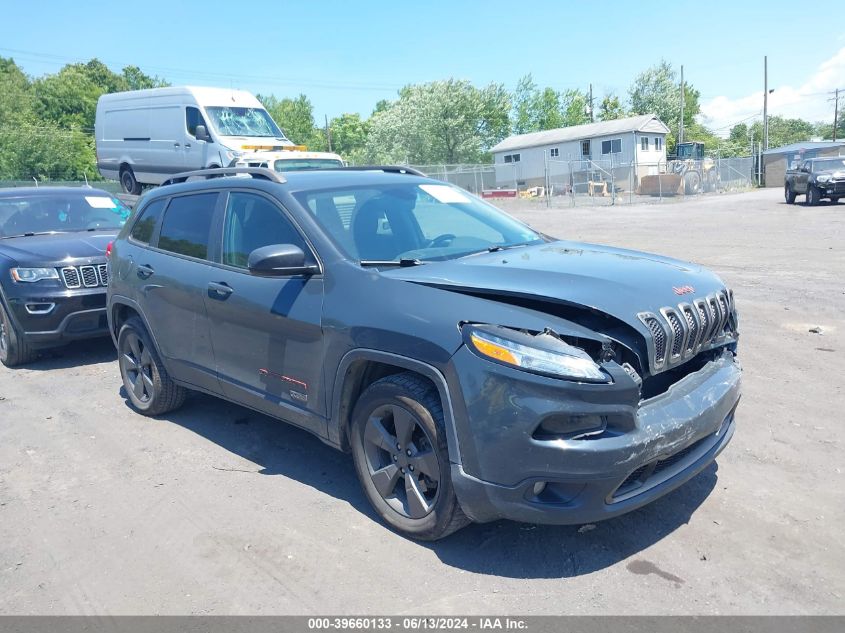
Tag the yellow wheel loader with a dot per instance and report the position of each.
(687, 172)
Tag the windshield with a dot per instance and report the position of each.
(829, 165)
(300, 164)
(60, 213)
(229, 121)
(426, 221)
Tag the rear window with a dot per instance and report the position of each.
(186, 226)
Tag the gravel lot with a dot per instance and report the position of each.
(219, 510)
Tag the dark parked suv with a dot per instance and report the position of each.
(476, 369)
(53, 272)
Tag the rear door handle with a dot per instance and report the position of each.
(219, 291)
(175, 144)
(144, 271)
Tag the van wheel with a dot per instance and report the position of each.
(128, 182)
(13, 349)
(148, 386)
(398, 439)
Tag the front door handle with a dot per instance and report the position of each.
(219, 291)
(145, 272)
(187, 146)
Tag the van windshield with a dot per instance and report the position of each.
(231, 121)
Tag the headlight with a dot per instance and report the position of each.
(542, 354)
(231, 153)
(29, 275)
(823, 178)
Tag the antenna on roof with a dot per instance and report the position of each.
(36, 180)
(85, 175)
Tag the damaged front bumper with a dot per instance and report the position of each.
(642, 451)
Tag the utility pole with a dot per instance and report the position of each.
(592, 118)
(765, 103)
(681, 128)
(328, 132)
(835, 113)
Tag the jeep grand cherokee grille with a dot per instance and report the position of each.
(679, 332)
(92, 276)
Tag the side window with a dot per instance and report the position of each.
(585, 148)
(193, 118)
(186, 226)
(251, 222)
(143, 229)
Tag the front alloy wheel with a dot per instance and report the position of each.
(398, 438)
(401, 462)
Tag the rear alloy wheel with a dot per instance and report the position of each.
(813, 195)
(128, 182)
(13, 349)
(399, 447)
(148, 386)
(788, 194)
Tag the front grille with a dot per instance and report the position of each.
(692, 324)
(71, 277)
(839, 187)
(89, 276)
(93, 276)
(658, 335)
(679, 332)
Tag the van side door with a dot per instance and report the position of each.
(266, 332)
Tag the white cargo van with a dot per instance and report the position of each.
(144, 136)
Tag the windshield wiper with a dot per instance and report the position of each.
(404, 263)
(28, 234)
(496, 248)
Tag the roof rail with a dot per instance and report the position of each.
(218, 172)
(388, 169)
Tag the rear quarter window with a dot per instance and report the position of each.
(186, 227)
(142, 230)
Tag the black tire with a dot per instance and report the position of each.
(128, 182)
(414, 495)
(149, 388)
(692, 183)
(813, 196)
(14, 350)
(788, 194)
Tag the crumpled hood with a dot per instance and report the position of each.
(57, 247)
(614, 281)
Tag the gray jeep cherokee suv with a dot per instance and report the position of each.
(476, 369)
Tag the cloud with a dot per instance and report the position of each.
(809, 101)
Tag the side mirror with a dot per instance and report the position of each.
(201, 133)
(279, 260)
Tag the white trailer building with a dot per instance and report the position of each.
(633, 146)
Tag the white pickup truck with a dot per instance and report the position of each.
(289, 160)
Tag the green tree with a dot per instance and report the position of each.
(135, 79)
(448, 121)
(574, 108)
(296, 118)
(32, 147)
(349, 136)
(610, 108)
(656, 90)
